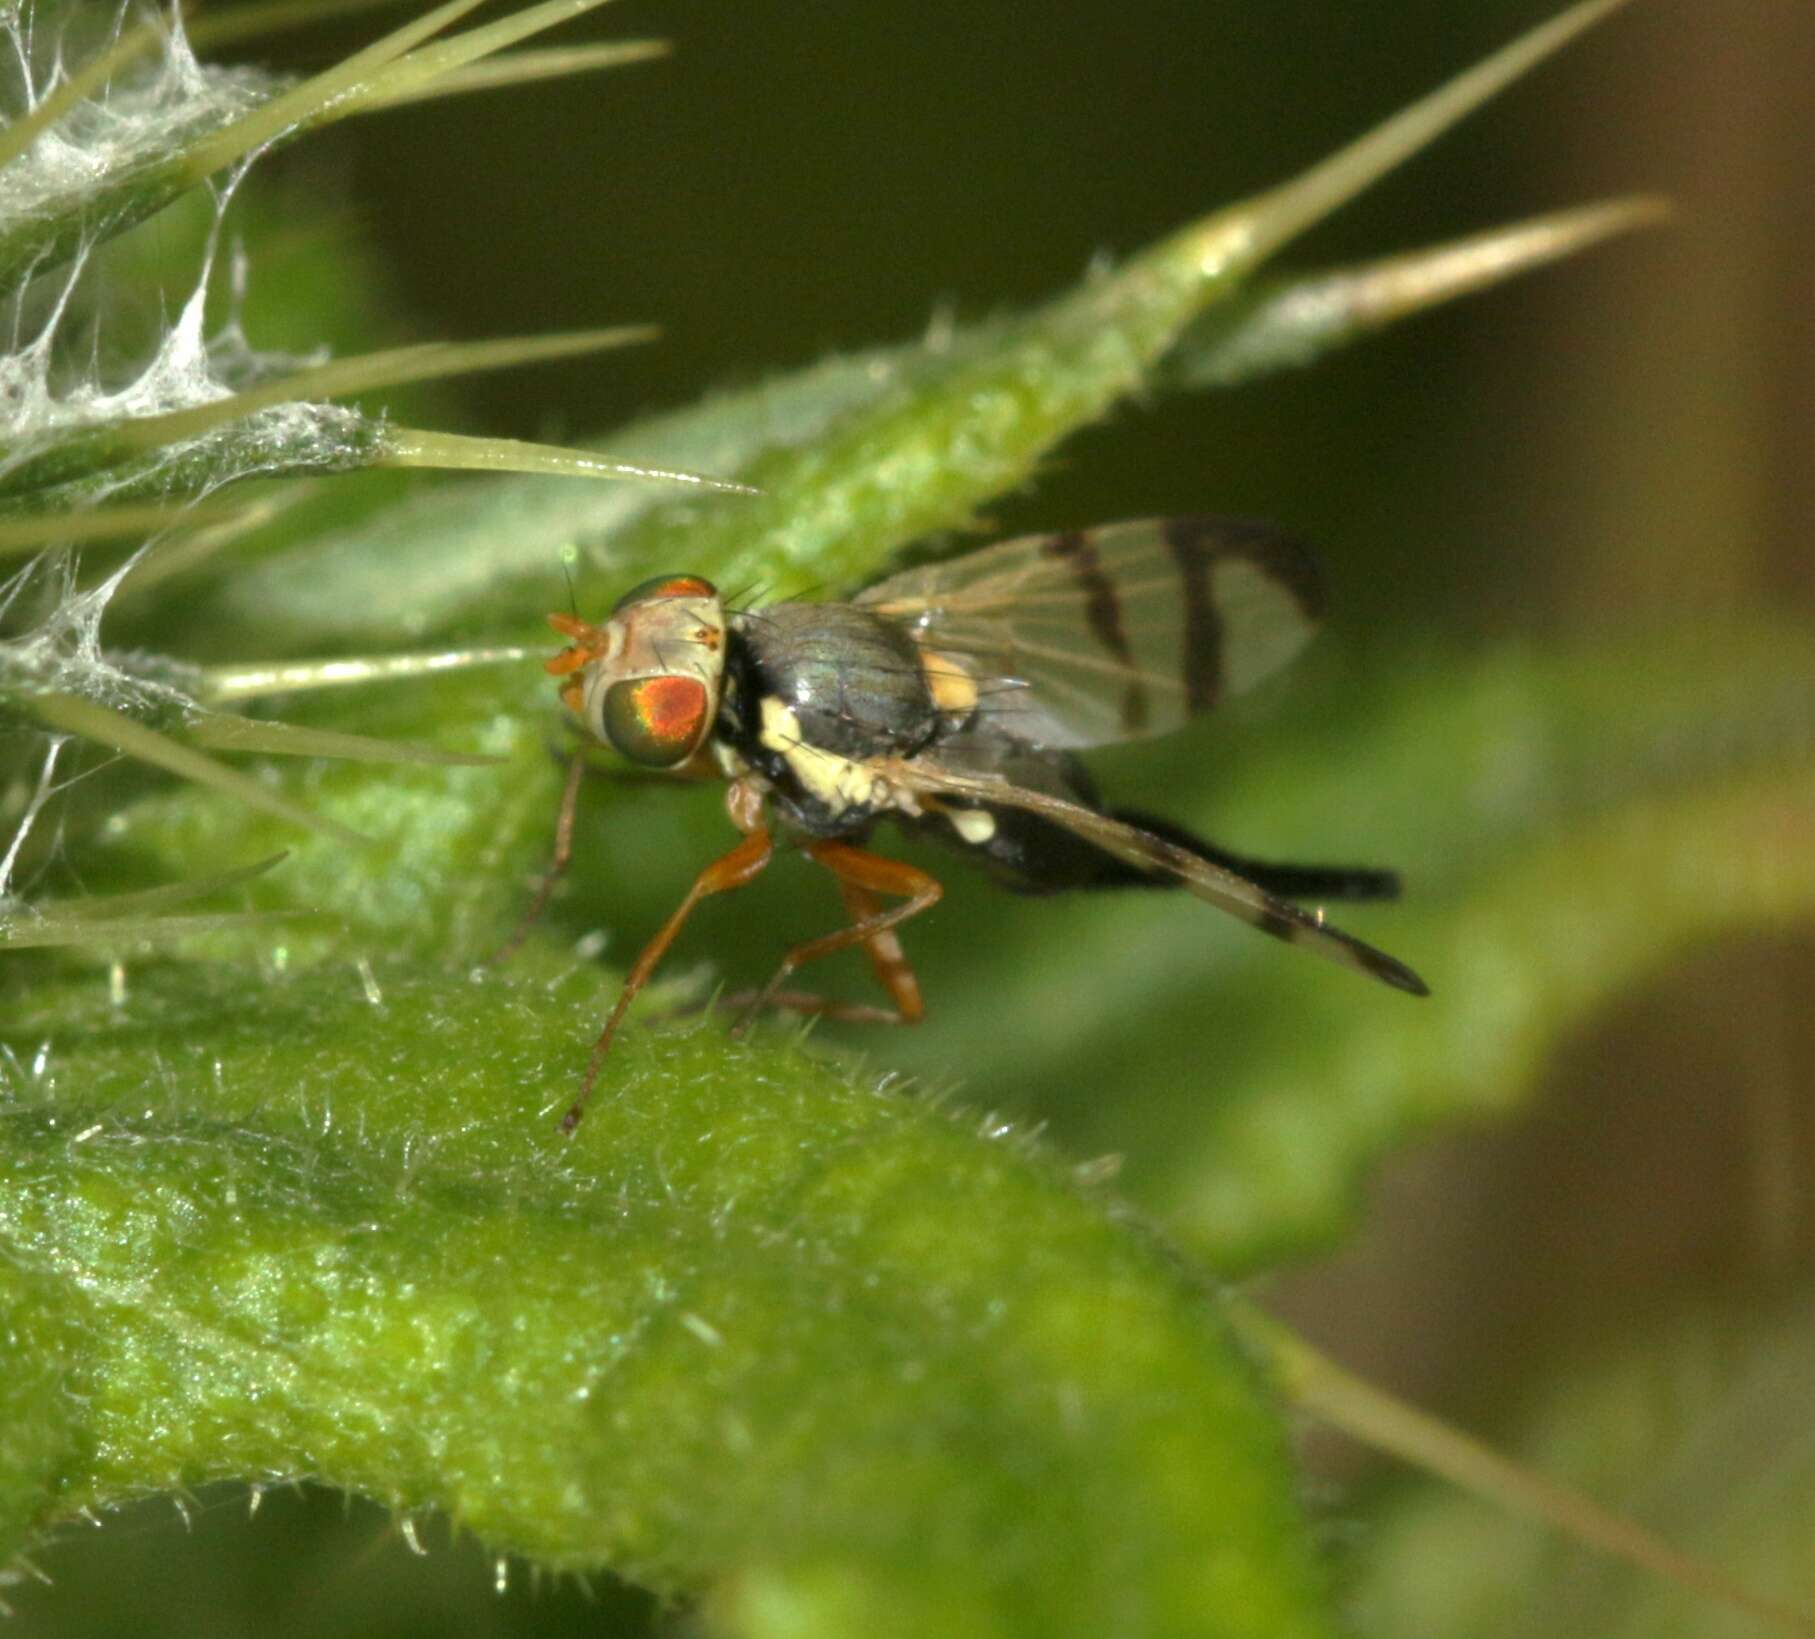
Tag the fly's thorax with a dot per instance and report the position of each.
(649, 679)
(851, 682)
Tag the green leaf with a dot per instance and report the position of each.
(283, 429)
(68, 714)
(1287, 323)
(101, 447)
(451, 851)
(514, 68)
(20, 536)
(224, 731)
(115, 921)
(857, 1364)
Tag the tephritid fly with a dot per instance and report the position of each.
(952, 699)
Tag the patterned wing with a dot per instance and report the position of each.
(926, 778)
(1115, 633)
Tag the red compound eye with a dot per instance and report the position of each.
(656, 721)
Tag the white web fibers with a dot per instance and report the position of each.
(43, 401)
(50, 627)
(169, 101)
(152, 107)
(22, 830)
(60, 652)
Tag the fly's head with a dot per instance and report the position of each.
(647, 681)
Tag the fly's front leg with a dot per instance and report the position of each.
(730, 871)
(861, 876)
(570, 800)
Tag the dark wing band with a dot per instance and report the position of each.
(1108, 634)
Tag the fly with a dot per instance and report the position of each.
(953, 700)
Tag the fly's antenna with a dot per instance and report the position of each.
(573, 603)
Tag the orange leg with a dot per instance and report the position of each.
(809, 1002)
(885, 953)
(861, 876)
(570, 800)
(732, 871)
(884, 950)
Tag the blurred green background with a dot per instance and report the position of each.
(1620, 447)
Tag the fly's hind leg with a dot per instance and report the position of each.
(1283, 881)
(861, 877)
